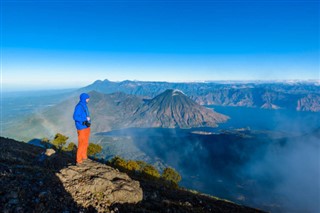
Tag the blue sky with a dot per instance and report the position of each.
(63, 44)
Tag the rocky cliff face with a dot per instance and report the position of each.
(32, 181)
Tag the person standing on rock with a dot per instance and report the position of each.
(81, 116)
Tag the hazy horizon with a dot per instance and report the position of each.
(9, 89)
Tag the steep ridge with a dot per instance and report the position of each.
(32, 181)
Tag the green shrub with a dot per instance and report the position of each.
(132, 165)
(171, 175)
(118, 162)
(94, 149)
(59, 141)
(141, 164)
(149, 170)
(70, 148)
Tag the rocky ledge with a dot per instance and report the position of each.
(99, 185)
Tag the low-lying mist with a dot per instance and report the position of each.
(290, 171)
(281, 175)
(276, 170)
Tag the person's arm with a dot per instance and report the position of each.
(79, 114)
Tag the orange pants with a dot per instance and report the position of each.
(83, 143)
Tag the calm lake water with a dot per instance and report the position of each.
(263, 119)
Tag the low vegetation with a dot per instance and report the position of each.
(72, 147)
(169, 176)
(94, 149)
(59, 143)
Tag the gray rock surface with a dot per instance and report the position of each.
(96, 184)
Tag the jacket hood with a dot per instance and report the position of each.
(84, 97)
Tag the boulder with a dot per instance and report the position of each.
(98, 185)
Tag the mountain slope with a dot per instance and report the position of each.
(173, 109)
(31, 183)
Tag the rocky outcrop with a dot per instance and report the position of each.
(99, 185)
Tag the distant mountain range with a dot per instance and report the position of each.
(171, 109)
(117, 105)
(300, 96)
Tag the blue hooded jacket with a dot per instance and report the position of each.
(81, 112)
